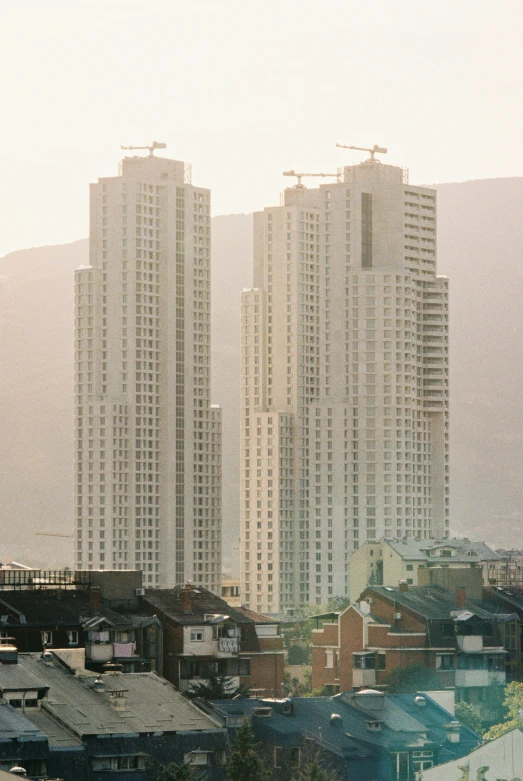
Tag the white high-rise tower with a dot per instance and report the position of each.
(344, 419)
(148, 441)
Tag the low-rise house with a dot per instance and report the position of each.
(501, 758)
(388, 561)
(97, 611)
(461, 640)
(363, 735)
(96, 725)
(202, 633)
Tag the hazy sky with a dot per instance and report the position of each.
(245, 89)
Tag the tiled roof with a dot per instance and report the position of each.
(258, 618)
(202, 603)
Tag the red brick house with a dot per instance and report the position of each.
(202, 633)
(460, 640)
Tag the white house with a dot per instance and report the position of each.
(498, 760)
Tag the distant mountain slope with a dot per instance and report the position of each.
(480, 248)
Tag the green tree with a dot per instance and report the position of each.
(216, 687)
(513, 702)
(470, 717)
(313, 771)
(410, 679)
(245, 764)
(173, 771)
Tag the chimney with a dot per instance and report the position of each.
(461, 598)
(185, 598)
(404, 586)
(453, 732)
(95, 599)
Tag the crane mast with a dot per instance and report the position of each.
(151, 148)
(375, 149)
(300, 176)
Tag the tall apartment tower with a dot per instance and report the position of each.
(344, 417)
(148, 440)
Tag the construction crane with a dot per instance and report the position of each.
(301, 186)
(53, 534)
(154, 145)
(380, 149)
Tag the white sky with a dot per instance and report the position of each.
(245, 89)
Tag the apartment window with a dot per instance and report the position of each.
(196, 636)
(445, 662)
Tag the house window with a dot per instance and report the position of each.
(72, 637)
(422, 760)
(444, 662)
(196, 636)
(132, 762)
(295, 758)
(47, 638)
(278, 756)
(400, 766)
(329, 659)
(409, 567)
(200, 758)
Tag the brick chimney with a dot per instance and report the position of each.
(185, 598)
(461, 598)
(95, 599)
(404, 586)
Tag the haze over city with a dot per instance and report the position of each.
(246, 91)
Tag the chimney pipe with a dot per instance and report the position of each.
(185, 598)
(404, 586)
(95, 599)
(461, 598)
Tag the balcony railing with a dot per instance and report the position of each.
(228, 645)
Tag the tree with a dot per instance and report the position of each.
(410, 679)
(513, 702)
(313, 771)
(245, 762)
(173, 771)
(470, 717)
(216, 687)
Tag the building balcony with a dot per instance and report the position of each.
(466, 678)
(363, 677)
(470, 643)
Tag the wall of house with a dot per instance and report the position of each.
(499, 759)
(267, 672)
(322, 640)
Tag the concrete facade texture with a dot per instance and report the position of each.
(344, 416)
(147, 439)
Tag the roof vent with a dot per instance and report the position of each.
(47, 658)
(265, 713)
(98, 685)
(420, 701)
(336, 720)
(453, 732)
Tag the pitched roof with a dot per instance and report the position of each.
(403, 724)
(15, 726)
(434, 602)
(258, 618)
(53, 608)
(152, 704)
(419, 550)
(202, 602)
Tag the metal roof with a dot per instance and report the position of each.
(435, 602)
(15, 726)
(419, 550)
(403, 724)
(55, 608)
(202, 603)
(151, 703)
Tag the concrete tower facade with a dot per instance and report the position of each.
(148, 440)
(344, 419)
